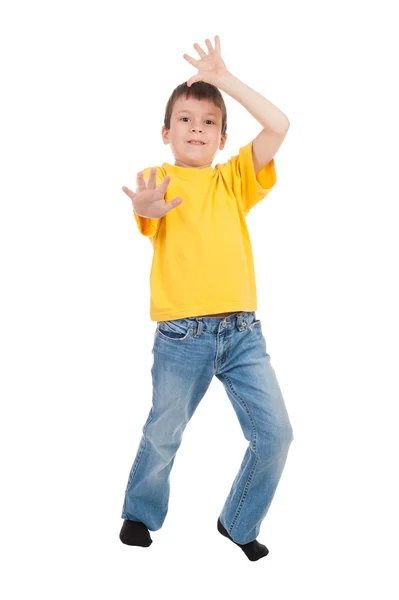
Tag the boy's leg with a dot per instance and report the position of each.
(181, 374)
(253, 389)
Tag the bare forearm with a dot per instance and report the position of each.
(266, 113)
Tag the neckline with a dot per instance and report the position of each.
(189, 170)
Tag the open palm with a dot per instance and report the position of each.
(210, 66)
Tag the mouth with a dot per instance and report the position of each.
(196, 143)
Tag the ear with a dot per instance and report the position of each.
(165, 134)
(223, 141)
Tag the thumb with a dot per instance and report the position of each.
(173, 203)
(192, 80)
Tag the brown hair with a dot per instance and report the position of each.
(199, 90)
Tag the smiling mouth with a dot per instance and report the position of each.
(196, 143)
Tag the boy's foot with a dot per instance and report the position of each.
(254, 550)
(135, 533)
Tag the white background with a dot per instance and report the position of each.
(84, 89)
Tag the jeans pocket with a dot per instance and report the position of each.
(256, 324)
(176, 330)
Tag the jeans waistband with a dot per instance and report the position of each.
(240, 320)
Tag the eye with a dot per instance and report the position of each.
(187, 118)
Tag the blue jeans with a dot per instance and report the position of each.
(187, 353)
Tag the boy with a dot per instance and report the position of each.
(203, 298)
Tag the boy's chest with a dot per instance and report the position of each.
(203, 201)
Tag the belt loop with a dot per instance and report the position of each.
(200, 326)
(240, 319)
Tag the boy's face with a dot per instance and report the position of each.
(194, 119)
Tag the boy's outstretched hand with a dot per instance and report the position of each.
(149, 201)
(210, 66)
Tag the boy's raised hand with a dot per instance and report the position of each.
(211, 67)
(149, 201)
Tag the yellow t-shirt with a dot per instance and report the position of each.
(202, 262)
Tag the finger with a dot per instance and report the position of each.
(152, 179)
(128, 192)
(208, 43)
(140, 183)
(199, 50)
(163, 186)
(217, 43)
(192, 61)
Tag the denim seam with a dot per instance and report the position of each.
(143, 445)
(244, 496)
(140, 451)
(248, 482)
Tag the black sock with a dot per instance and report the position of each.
(135, 533)
(254, 550)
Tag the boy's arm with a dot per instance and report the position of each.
(212, 69)
(275, 123)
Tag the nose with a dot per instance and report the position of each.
(199, 128)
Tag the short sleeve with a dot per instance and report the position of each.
(250, 188)
(147, 226)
